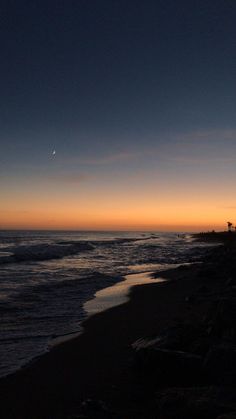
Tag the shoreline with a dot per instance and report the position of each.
(92, 311)
(119, 293)
(33, 373)
(99, 364)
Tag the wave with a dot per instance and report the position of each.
(39, 252)
(58, 250)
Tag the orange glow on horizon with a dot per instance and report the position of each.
(145, 217)
(117, 207)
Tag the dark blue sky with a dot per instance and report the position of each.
(96, 79)
(116, 67)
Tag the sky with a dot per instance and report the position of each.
(117, 114)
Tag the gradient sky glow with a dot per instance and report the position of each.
(139, 101)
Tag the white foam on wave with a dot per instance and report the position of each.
(38, 252)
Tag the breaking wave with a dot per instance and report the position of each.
(39, 252)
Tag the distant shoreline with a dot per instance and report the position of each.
(213, 236)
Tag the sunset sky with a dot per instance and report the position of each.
(138, 99)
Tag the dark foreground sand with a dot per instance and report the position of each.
(98, 375)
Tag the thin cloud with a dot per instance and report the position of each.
(72, 177)
(228, 207)
(113, 158)
(107, 159)
(168, 147)
(218, 134)
(7, 211)
(199, 160)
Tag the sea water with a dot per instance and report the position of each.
(46, 278)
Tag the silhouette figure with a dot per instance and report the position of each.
(229, 226)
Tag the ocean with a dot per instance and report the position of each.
(48, 277)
